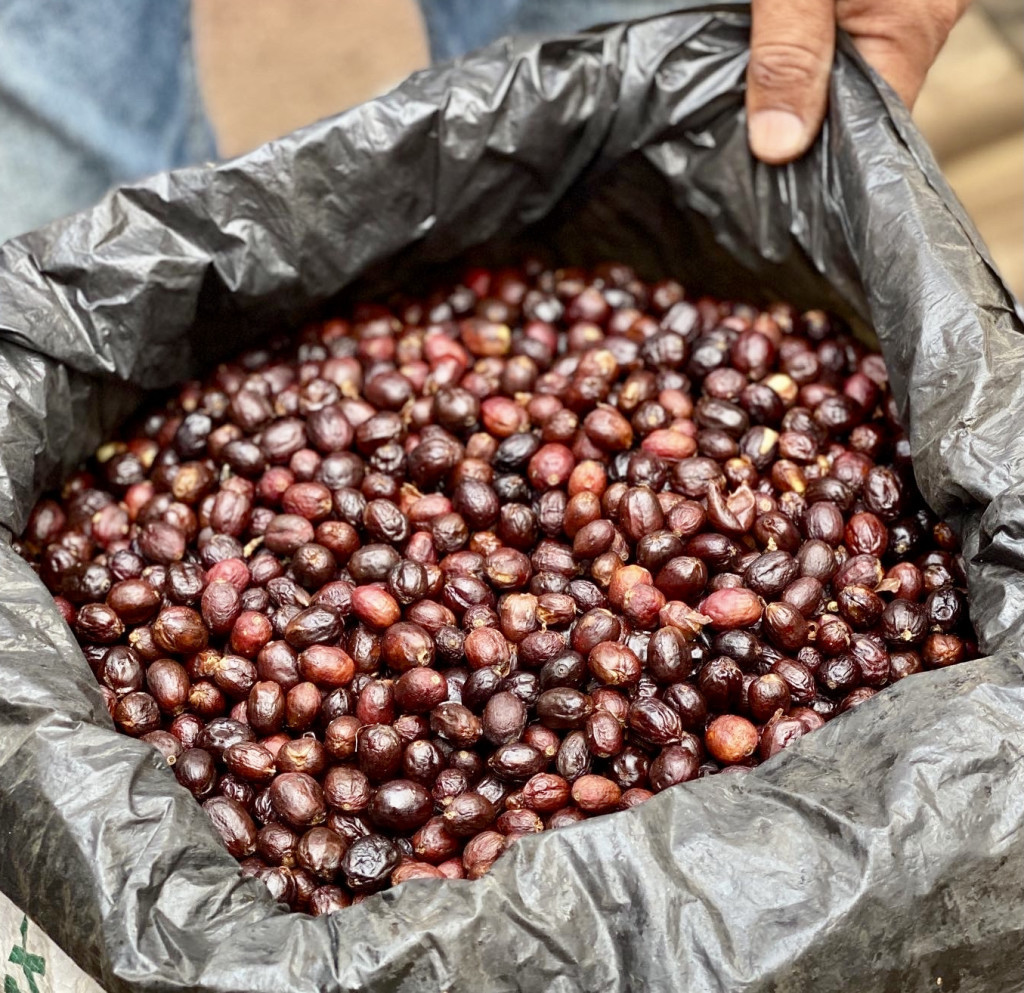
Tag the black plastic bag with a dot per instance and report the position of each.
(883, 852)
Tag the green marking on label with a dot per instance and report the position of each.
(31, 965)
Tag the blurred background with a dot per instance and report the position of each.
(268, 67)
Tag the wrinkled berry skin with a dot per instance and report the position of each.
(390, 593)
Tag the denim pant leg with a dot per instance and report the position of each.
(456, 27)
(92, 93)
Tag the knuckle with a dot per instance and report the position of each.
(784, 67)
(947, 14)
(931, 23)
(926, 23)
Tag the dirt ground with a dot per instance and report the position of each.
(269, 67)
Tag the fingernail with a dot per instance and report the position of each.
(777, 136)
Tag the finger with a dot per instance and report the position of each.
(791, 47)
(900, 41)
(903, 70)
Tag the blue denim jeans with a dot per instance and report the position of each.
(455, 27)
(94, 93)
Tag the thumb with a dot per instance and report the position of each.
(791, 49)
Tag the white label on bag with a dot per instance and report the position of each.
(31, 963)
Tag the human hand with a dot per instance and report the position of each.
(792, 43)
